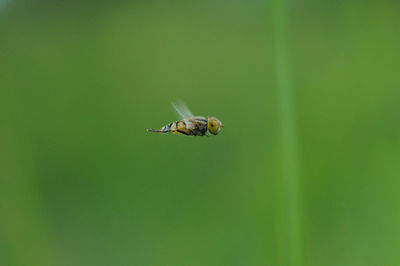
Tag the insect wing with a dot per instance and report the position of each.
(182, 110)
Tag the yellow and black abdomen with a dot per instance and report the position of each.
(189, 127)
(176, 127)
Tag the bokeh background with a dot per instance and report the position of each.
(305, 172)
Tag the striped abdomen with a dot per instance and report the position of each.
(196, 126)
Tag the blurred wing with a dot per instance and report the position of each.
(182, 109)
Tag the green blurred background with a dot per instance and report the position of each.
(305, 172)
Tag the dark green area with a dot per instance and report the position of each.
(83, 183)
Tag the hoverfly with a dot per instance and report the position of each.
(191, 125)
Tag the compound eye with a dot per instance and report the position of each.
(213, 126)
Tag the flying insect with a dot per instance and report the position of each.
(191, 125)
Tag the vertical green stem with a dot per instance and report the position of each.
(288, 215)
